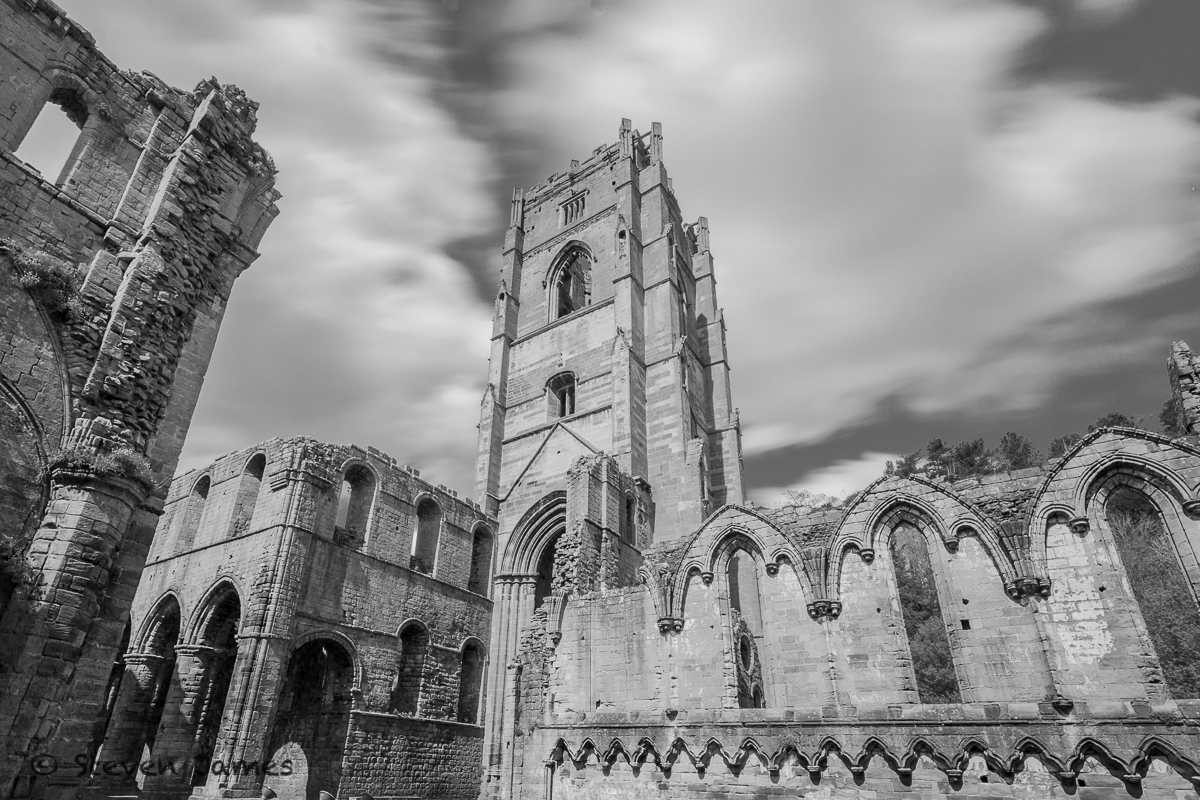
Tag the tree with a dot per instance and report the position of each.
(969, 459)
(810, 500)
(1015, 452)
(906, 466)
(1171, 418)
(937, 458)
(1060, 445)
(1115, 419)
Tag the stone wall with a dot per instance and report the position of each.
(114, 275)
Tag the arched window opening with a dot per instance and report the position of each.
(354, 505)
(572, 283)
(928, 642)
(743, 590)
(406, 691)
(314, 711)
(1160, 586)
(545, 572)
(425, 543)
(52, 145)
(560, 395)
(193, 513)
(469, 684)
(220, 633)
(247, 496)
(481, 561)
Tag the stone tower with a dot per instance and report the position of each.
(114, 278)
(607, 423)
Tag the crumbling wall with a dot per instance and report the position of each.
(116, 272)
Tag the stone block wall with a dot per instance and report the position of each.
(353, 661)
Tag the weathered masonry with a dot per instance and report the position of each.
(654, 635)
(114, 275)
(311, 617)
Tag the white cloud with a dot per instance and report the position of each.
(891, 212)
(838, 480)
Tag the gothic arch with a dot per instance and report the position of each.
(544, 520)
(151, 631)
(860, 529)
(218, 598)
(1170, 466)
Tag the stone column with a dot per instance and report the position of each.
(175, 745)
(514, 605)
(250, 707)
(46, 708)
(127, 729)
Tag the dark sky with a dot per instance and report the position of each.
(930, 218)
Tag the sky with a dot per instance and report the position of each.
(930, 218)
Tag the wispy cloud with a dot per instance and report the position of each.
(896, 216)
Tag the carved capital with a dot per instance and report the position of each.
(772, 569)
(1080, 525)
(951, 544)
(867, 554)
(707, 577)
(1192, 508)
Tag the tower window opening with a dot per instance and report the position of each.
(572, 282)
(572, 210)
(560, 393)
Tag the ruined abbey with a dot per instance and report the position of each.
(607, 616)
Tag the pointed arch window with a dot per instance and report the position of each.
(928, 642)
(571, 282)
(247, 496)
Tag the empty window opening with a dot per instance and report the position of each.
(425, 543)
(193, 513)
(572, 210)
(745, 650)
(51, 146)
(469, 684)
(544, 584)
(560, 395)
(743, 590)
(630, 519)
(247, 496)
(928, 642)
(572, 283)
(1160, 587)
(481, 561)
(966, 624)
(354, 505)
(406, 691)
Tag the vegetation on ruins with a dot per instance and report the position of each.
(1160, 587)
(122, 462)
(928, 643)
(52, 281)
